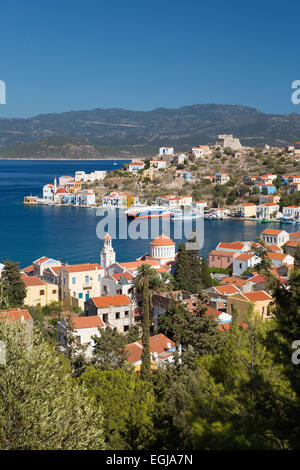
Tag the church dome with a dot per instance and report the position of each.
(162, 240)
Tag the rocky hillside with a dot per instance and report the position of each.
(119, 132)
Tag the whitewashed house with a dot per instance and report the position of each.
(242, 262)
(292, 212)
(166, 150)
(274, 236)
(83, 329)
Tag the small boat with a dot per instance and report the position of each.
(152, 213)
(186, 215)
(266, 221)
(285, 220)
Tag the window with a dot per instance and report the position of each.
(78, 340)
(86, 279)
(228, 260)
(42, 292)
(117, 315)
(105, 317)
(126, 313)
(126, 327)
(54, 292)
(80, 295)
(73, 280)
(99, 277)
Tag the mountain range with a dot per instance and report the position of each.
(122, 133)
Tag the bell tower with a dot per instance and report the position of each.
(108, 255)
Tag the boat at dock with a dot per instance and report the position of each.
(186, 215)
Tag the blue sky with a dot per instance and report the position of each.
(62, 55)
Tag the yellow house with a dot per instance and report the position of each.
(242, 301)
(78, 282)
(248, 209)
(39, 292)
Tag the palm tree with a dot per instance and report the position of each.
(145, 279)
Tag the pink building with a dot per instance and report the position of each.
(221, 259)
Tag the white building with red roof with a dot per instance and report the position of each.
(116, 311)
(276, 236)
(162, 351)
(83, 330)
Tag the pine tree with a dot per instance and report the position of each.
(13, 287)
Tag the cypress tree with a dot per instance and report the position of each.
(145, 276)
(207, 280)
(182, 274)
(14, 289)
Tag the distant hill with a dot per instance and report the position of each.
(101, 133)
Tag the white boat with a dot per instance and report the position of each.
(186, 215)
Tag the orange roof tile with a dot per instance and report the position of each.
(158, 344)
(76, 268)
(257, 296)
(111, 300)
(86, 322)
(117, 276)
(31, 281)
(271, 231)
(227, 289)
(15, 314)
(232, 245)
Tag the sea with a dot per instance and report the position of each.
(75, 234)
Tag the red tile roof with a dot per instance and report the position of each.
(86, 322)
(158, 344)
(257, 296)
(31, 281)
(15, 314)
(128, 276)
(236, 281)
(111, 300)
(76, 268)
(271, 231)
(227, 289)
(245, 256)
(233, 245)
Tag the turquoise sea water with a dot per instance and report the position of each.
(69, 233)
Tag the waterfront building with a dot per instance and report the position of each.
(199, 205)
(247, 209)
(267, 211)
(83, 329)
(278, 237)
(48, 192)
(115, 311)
(291, 212)
(77, 283)
(172, 201)
(294, 236)
(118, 199)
